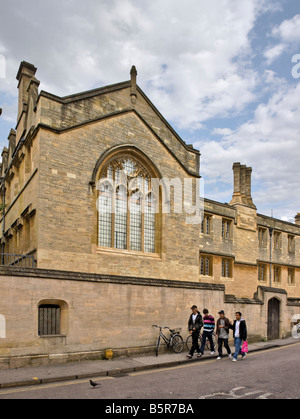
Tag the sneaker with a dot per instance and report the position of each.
(199, 355)
(219, 357)
(189, 356)
(244, 356)
(212, 353)
(229, 355)
(234, 360)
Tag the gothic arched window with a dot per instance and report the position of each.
(127, 206)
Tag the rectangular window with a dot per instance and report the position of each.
(206, 224)
(227, 268)
(291, 276)
(277, 240)
(291, 244)
(262, 273)
(277, 274)
(206, 265)
(262, 237)
(226, 229)
(49, 320)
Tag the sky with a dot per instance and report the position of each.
(224, 73)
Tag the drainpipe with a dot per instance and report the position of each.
(271, 235)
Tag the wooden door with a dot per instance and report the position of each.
(273, 318)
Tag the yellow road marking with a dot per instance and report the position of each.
(133, 374)
(45, 386)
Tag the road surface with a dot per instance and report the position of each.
(269, 374)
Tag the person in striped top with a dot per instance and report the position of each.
(209, 327)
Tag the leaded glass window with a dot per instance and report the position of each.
(127, 207)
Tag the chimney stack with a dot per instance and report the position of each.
(297, 219)
(242, 185)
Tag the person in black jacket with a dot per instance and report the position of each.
(194, 325)
(239, 328)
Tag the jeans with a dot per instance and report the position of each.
(207, 335)
(195, 346)
(238, 347)
(220, 344)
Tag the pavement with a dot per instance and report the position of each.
(115, 367)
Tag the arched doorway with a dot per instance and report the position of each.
(273, 318)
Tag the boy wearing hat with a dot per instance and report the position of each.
(222, 332)
(195, 324)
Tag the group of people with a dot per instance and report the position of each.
(196, 322)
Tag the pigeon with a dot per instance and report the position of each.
(92, 383)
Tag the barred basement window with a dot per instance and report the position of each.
(127, 207)
(49, 320)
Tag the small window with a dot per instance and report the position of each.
(291, 276)
(206, 265)
(262, 237)
(291, 244)
(49, 320)
(226, 229)
(206, 224)
(277, 240)
(277, 274)
(262, 273)
(227, 268)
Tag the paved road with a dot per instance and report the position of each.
(270, 374)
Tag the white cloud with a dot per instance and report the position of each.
(288, 33)
(194, 61)
(289, 30)
(274, 52)
(269, 143)
(186, 53)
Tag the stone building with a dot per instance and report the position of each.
(98, 196)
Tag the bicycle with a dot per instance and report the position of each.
(189, 342)
(175, 341)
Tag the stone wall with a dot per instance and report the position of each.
(101, 312)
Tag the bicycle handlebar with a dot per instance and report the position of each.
(163, 327)
(166, 327)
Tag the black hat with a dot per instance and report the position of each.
(221, 312)
(193, 307)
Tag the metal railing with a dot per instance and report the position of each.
(20, 261)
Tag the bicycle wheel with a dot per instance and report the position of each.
(177, 343)
(215, 342)
(189, 342)
(157, 345)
